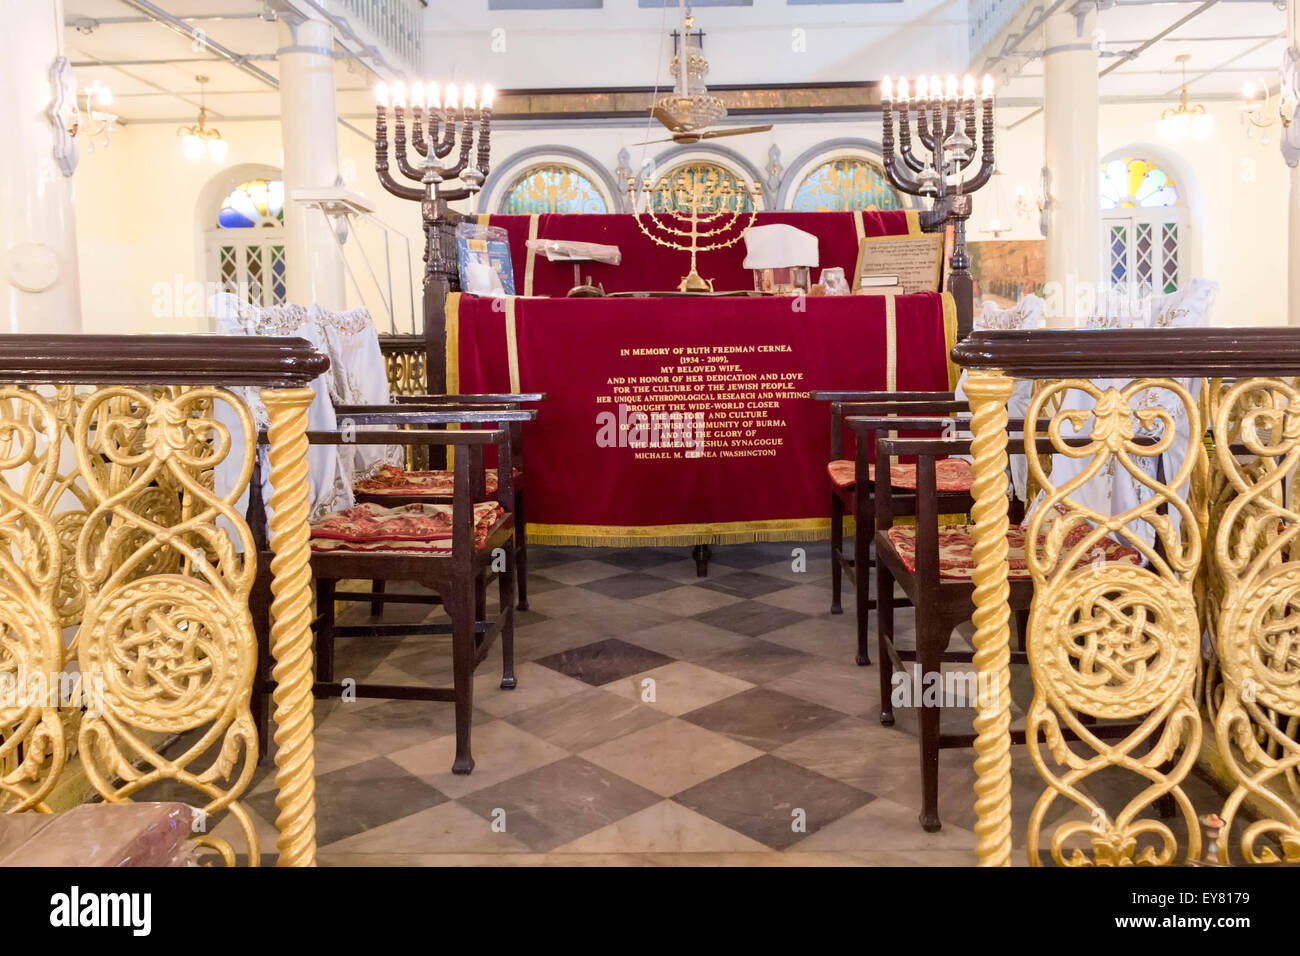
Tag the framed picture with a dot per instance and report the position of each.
(916, 261)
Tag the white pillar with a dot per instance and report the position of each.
(1070, 122)
(309, 132)
(39, 277)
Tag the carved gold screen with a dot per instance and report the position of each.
(123, 566)
(1116, 651)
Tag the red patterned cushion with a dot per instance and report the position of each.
(398, 481)
(423, 528)
(957, 542)
(950, 474)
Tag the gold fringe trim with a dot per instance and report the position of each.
(950, 336)
(532, 256)
(913, 222)
(664, 535)
(512, 345)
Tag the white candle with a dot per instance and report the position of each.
(886, 90)
(488, 98)
(381, 94)
(902, 90)
(417, 95)
(399, 95)
(450, 101)
(987, 91)
(922, 90)
(435, 100)
(968, 87)
(951, 92)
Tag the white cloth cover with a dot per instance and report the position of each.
(779, 247)
(330, 489)
(1025, 314)
(357, 376)
(1114, 490)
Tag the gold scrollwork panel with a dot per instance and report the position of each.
(1113, 644)
(1257, 582)
(166, 639)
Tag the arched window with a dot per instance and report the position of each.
(1144, 225)
(553, 187)
(845, 184)
(721, 187)
(246, 242)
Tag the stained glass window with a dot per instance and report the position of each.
(721, 189)
(553, 187)
(846, 184)
(1130, 182)
(258, 202)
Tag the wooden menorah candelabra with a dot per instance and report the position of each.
(441, 123)
(692, 212)
(945, 128)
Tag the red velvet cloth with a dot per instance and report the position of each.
(582, 493)
(647, 266)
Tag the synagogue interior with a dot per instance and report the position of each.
(650, 433)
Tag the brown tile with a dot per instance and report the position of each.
(665, 827)
(585, 719)
(841, 685)
(604, 661)
(501, 751)
(763, 718)
(757, 662)
(688, 639)
(537, 685)
(560, 802)
(773, 801)
(448, 827)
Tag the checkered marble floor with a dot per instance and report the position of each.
(659, 718)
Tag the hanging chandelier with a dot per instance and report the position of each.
(97, 124)
(690, 105)
(201, 139)
(1177, 121)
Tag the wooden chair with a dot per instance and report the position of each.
(457, 566)
(938, 583)
(852, 495)
(406, 410)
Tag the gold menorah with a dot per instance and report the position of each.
(693, 209)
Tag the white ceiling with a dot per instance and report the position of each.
(1229, 42)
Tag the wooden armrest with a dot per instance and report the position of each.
(470, 399)
(467, 416)
(828, 395)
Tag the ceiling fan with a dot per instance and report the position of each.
(690, 109)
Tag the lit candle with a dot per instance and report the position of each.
(399, 95)
(886, 90)
(987, 90)
(902, 90)
(381, 95)
(951, 92)
(968, 87)
(435, 101)
(468, 103)
(922, 90)
(488, 98)
(450, 100)
(936, 88)
(1248, 91)
(417, 95)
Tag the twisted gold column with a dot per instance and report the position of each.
(291, 638)
(988, 392)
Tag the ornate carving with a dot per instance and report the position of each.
(1111, 641)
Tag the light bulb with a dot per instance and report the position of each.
(1202, 125)
(417, 95)
(381, 94)
(218, 150)
(192, 146)
(986, 89)
(936, 88)
(902, 90)
(994, 224)
(435, 98)
(469, 97)
(489, 97)
(1248, 90)
(399, 95)
(951, 91)
(450, 100)
(104, 95)
(922, 89)
(886, 90)
(968, 87)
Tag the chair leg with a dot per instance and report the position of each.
(928, 650)
(377, 607)
(1022, 627)
(506, 590)
(837, 550)
(461, 610)
(521, 552)
(325, 630)
(884, 637)
(864, 530)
